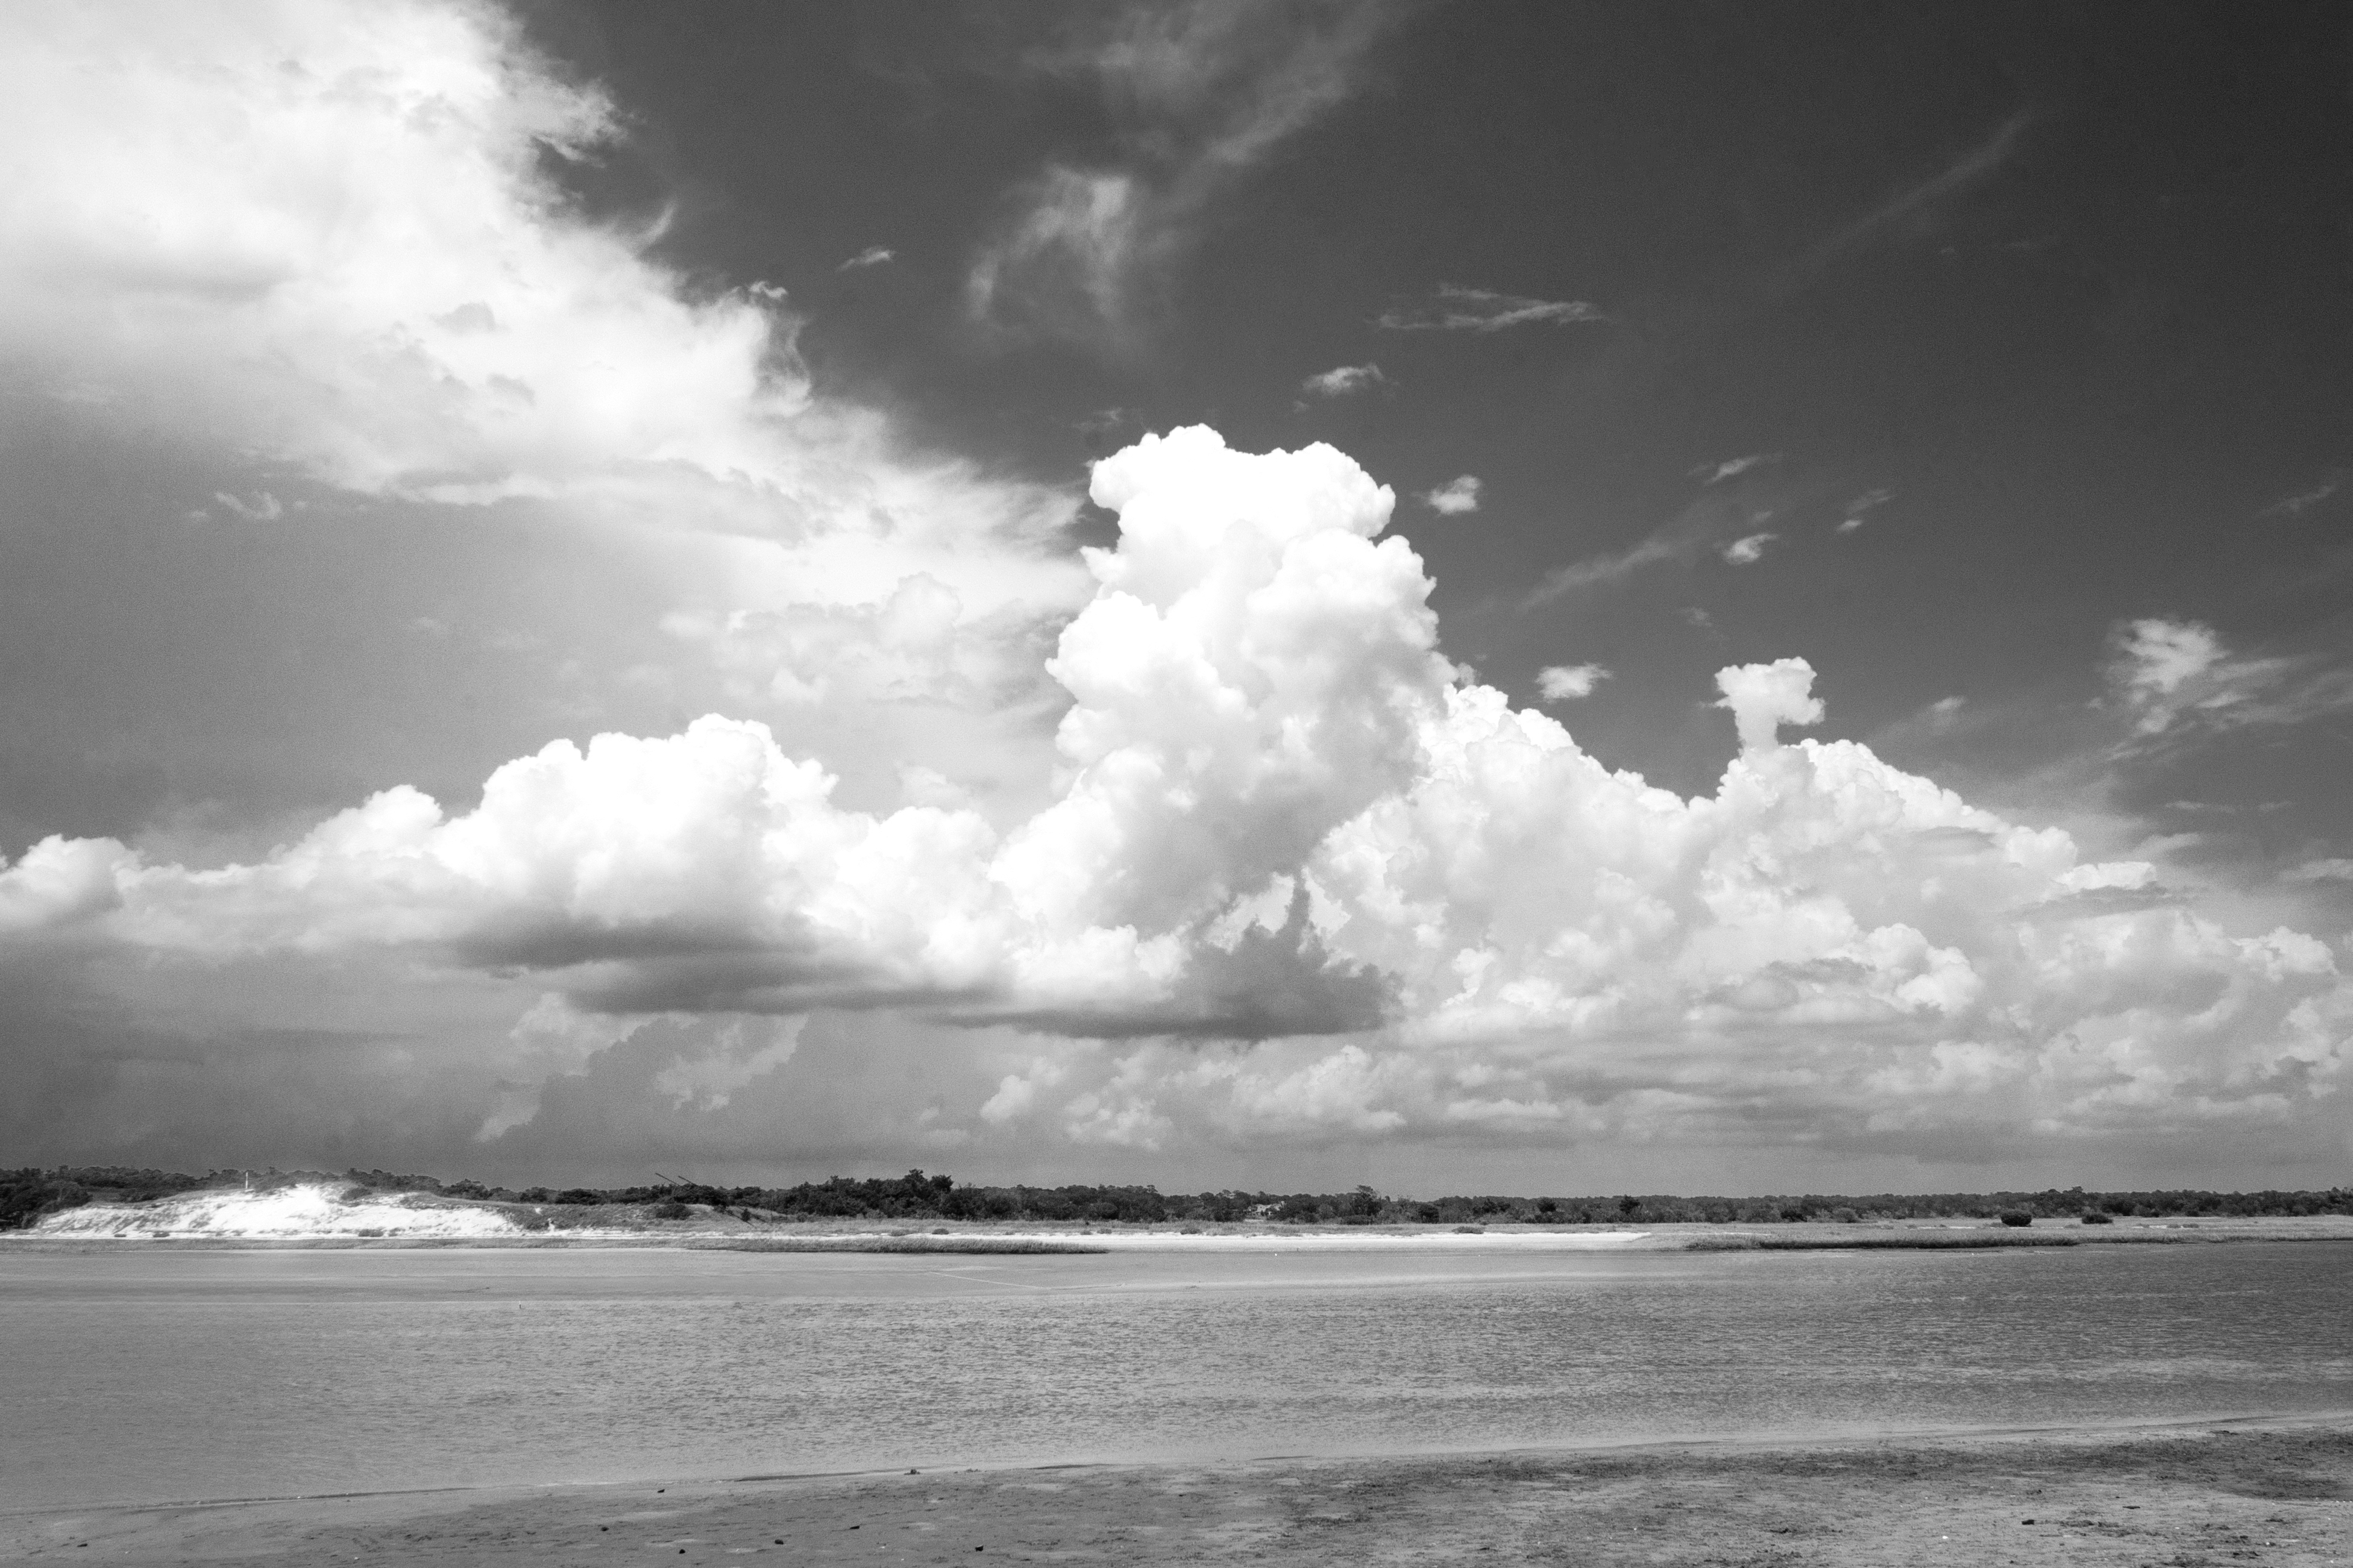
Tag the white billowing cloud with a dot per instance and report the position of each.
(1340, 381)
(1748, 548)
(359, 270)
(1458, 310)
(1456, 496)
(1764, 697)
(1285, 818)
(1569, 682)
(356, 263)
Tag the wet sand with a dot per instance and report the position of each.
(2249, 1493)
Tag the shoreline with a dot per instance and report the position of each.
(983, 1237)
(2272, 1488)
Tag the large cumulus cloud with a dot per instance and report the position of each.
(1286, 822)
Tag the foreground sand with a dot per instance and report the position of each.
(2255, 1492)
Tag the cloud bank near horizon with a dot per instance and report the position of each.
(1284, 874)
(1287, 819)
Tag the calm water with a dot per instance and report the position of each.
(149, 1375)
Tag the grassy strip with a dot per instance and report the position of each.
(1907, 1240)
(990, 1244)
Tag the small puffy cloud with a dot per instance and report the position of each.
(2334, 870)
(1453, 498)
(1459, 310)
(873, 255)
(1341, 381)
(1568, 682)
(1748, 548)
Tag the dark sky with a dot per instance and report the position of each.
(390, 401)
(2069, 283)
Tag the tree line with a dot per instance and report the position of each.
(29, 1193)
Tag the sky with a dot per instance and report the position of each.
(1466, 597)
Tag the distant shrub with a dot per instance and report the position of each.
(1845, 1216)
(2094, 1216)
(671, 1209)
(2016, 1216)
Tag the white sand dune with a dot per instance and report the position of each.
(285, 1214)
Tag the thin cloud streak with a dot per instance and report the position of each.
(1918, 203)
(1459, 310)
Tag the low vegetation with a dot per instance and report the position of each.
(28, 1193)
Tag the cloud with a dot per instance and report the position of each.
(1341, 381)
(1456, 496)
(1764, 697)
(1859, 509)
(1569, 682)
(1748, 548)
(1715, 518)
(1288, 876)
(2176, 680)
(1459, 310)
(368, 288)
(1916, 208)
(2336, 869)
(1287, 819)
(873, 255)
(1199, 94)
(2296, 504)
(1733, 468)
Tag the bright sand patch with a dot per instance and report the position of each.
(299, 1213)
(2273, 1493)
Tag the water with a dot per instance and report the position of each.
(149, 1375)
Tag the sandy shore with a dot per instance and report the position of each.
(2250, 1492)
(104, 1227)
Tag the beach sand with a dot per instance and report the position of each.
(2250, 1492)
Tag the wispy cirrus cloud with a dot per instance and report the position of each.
(2176, 680)
(1458, 310)
(1858, 510)
(1732, 468)
(873, 255)
(1199, 94)
(2297, 503)
(1748, 548)
(1915, 207)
